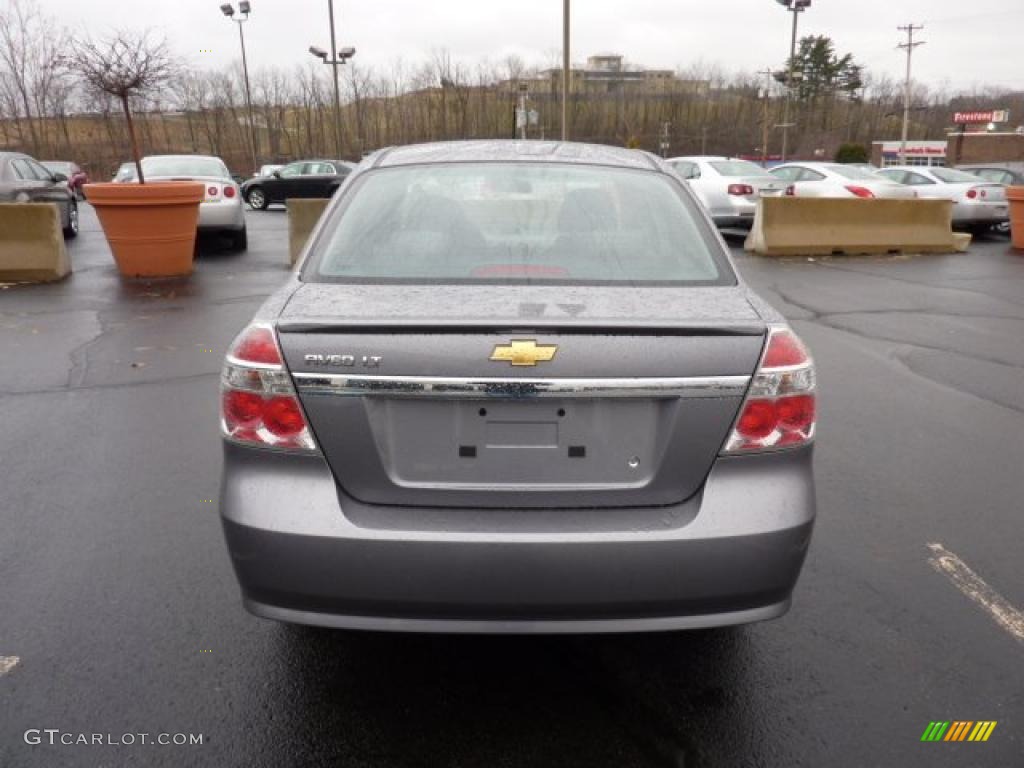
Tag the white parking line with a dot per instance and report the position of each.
(974, 587)
(7, 663)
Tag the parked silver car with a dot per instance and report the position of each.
(977, 204)
(520, 388)
(838, 180)
(221, 209)
(727, 187)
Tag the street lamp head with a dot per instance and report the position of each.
(245, 7)
(227, 9)
(320, 53)
(347, 53)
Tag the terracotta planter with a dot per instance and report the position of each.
(1016, 197)
(151, 228)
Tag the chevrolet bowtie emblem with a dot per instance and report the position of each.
(524, 353)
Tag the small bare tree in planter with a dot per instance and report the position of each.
(151, 227)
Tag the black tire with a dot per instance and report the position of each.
(71, 230)
(257, 199)
(240, 240)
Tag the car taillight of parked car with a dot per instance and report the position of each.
(862, 192)
(229, 192)
(259, 406)
(741, 190)
(791, 190)
(779, 410)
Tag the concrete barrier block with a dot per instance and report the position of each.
(31, 243)
(303, 215)
(811, 226)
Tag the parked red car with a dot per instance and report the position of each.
(76, 176)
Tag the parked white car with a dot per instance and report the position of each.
(728, 188)
(838, 180)
(977, 203)
(221, 209)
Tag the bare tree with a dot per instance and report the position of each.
(124, 66)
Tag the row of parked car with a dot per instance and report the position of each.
(730, 188)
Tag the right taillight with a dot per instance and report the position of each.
(779, 411)
(258, 402)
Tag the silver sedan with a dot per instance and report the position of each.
(517, 388)
(977, 204)
(729, 189)
(221, 210)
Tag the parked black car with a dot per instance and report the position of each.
(303, 178)
(24, 180)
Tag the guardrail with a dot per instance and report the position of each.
(818, 226)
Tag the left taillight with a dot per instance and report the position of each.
(258, 404)
(780, 407)
(740, 190)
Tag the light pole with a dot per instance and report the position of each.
(337, 58)
(244, 9)
(796, 7)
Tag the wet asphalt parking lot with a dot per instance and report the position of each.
(119, 613)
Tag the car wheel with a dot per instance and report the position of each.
(71, 230)
(257, 199)
(239, 240)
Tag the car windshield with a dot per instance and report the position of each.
(737, 168)
(184, 167)
(950, 176)
(494, 222)
(854, 173)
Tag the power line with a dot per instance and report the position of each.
(909, 47)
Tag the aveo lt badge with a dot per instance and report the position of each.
(524, 353)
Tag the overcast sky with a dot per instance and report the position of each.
(969, 42)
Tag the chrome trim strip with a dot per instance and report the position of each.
(483, 388)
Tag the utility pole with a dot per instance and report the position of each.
(522, 118)
(909, 47)
(766, 128)
(665, 141)
(796, 7)
(566, 77)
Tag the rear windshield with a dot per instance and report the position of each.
(519, 223)
(950, 176)
(854, 173)
(58, 166)
(184, 166)
(738, 168)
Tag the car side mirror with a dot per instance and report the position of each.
(59, 177)
(276, 174)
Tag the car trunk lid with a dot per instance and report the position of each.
(629, 397)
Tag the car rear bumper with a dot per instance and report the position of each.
(221, 215)
(981, 213)
(305, 553)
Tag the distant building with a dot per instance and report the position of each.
(605, 76)
(924, 153)
(968, 148)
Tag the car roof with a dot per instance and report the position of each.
(568, 153)
(183, 157)
(701, 158)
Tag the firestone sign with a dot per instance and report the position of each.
(974, 118)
